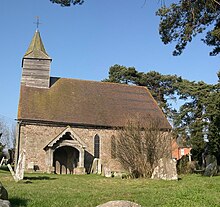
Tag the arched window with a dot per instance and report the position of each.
(113, 147)
(96, 146)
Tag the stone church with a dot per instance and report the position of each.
(64, 124)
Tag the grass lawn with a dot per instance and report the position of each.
(44, 190)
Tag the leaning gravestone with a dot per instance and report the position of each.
(165, 170)
(19, 172)
(119, 204)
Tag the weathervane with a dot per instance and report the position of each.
(37, 22)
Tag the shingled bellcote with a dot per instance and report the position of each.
(36, 64)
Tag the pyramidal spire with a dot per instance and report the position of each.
(36, 48)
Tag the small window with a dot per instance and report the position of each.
(113, 147)
(97, 146)
(182, 152)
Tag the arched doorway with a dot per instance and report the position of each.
(65, 153)
(65, 159)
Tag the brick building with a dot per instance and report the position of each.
(179, 149)
(63, 124)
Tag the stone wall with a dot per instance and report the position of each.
(34, 138)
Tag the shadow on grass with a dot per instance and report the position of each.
(39, 178)
(15, 202)
(4, 168)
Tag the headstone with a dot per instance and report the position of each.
(99, 167)
(3, 192)
(12, 172)
(107, 172)
(4, 203)
(57, 167)
(96, 166)
(19, 172)
(165, 170)
(2, 161)
(119, 204)
(118, 174)
(211, 169)
(63, 169)
(210, 159)
(30, 166)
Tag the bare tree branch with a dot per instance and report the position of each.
(140, 145)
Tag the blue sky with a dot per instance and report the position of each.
(84, 41)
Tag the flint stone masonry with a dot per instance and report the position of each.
(5, 203)
(166, 170)
(34, 138)
(119, 204)
(3, 192)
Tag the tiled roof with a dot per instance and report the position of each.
(88, 103)
(36, 48)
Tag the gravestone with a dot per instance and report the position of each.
(211, 169)
(2, 161)
(119, 204)
(211, 166)
(30, 166)
(19, 172)
(4, 203)
(165, 170)
(210, 159)
(63, 169)
(107, 172)
(3, 192)
(57, 168)
(96, 166)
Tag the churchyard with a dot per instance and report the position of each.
(46, 190)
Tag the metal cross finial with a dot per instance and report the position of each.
(37, 22)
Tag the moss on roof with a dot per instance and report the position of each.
(88, 102)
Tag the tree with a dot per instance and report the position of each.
(199, 117)
(141, 144)
(124, 75)
(213, 110)
(67, 2)
(5, 131)
(1, 148)
(191, 119)
(8, 134)
(4, 134)
(182, 21)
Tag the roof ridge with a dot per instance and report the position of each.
(105, 82)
